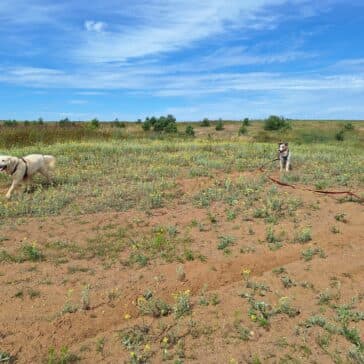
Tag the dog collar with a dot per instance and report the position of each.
(26, 168)
(15, 168)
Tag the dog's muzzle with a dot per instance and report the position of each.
(3, 167)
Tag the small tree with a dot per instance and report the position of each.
(95, 123)
(246, 122)
(219, 126)
(275, 123)
(340, 135)
(146, 125)
(243, 129)
(64, 122)
(205, 122)
(11, 123)
(40, 121)
(190, 131)
(119, 124)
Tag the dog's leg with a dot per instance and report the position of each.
(46, 174)
(288, 165)
(11, 189)
(281, 165)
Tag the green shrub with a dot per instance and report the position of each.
(339, 136)
(95, 123)
(349, 126)
(10, 123)
(190, 131)
(119, 124)
(205, 122)
(165, 124)
(242, 130)
(276, 123)
(64, 122)
(219, 126)
(146, 125)
(246, 122)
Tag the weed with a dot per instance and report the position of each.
(85, 298)
(279, 270)
(335, 230)
(303, 236)
(155, 307)
(182, 306)
(243, 332)
(309, 253)
(5, 357)
(247, 249)
(288, 282)
(181, 274)
(341, 217)
(134, 340)
(225, 242)
(69, 307)
(31, 253)
(63, 357)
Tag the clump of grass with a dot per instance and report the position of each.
(150, 306)
(309, 253)
(303, 236)
(285, 307)
(288, 282)
(341, 217)
(279, 270)
(69, 307)
(31, 253)
(225, 242)
(100, 344)
(181, 274)
(63, 357)
(334, 230)
(5, 357)
(243, 332)
(134, 339)
(272, 239)
(85, 298)
(182, 306)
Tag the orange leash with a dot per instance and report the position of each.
(349, 193)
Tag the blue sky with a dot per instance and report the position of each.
(208, 58)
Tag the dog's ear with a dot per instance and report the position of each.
(286, 144)
(12, 161)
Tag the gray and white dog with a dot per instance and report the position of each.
(284, 156)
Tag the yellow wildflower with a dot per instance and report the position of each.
(147, 347)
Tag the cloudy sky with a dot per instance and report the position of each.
(207, 58)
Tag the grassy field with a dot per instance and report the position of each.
(150, 247)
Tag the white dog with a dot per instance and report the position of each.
(284, 156)
(22, 169)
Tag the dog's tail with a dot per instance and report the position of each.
(50, 161)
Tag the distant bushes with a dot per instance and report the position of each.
(205, 122)
(189, 130)
(166, 124)
(33, 133)
(246, 122)
(242, 130)
(94, 123)
(276, 123)
(219, 125)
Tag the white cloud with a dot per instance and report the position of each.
(160, 26)
(94, 26)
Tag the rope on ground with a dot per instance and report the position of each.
(349, 193)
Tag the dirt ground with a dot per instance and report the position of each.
(33, 294)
